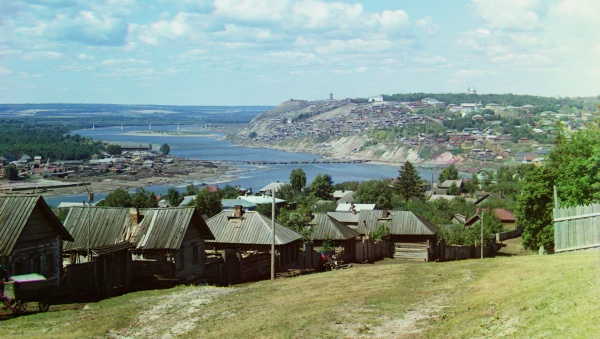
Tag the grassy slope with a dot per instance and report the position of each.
(529, 296)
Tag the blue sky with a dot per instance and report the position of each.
(263, 52)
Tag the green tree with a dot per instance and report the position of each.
(11, 172)
(374, 192)
(114, 149)
(453, 190)
(297, 220)
(298, 179)
(208, 203)
(118, 198)
(173, 197)
(321, 187)
(165, 149)
(229, 192)
(408, 183)
(144, 199)
(252, 135)
(448, 173)
(573, 166)
(191, 190)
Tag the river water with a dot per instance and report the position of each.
(209, 145)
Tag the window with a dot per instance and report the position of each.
(50, 264)
(36, 266)
(195, 253)
(179, 263)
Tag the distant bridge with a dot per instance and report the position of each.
(271, 162)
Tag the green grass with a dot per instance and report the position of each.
(523, 296)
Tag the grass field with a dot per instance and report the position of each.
(518, 296)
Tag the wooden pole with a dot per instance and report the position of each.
(273, 236)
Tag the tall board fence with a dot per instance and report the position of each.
(577, 229)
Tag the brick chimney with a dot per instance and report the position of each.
(238, 212)
(134, 216)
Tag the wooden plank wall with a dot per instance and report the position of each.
(577, 229)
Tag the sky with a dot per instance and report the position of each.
(264, 52)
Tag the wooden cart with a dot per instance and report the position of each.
(21, 289)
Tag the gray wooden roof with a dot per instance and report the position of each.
(106, 226)
(398, 222)
(252, 228)
(345, 217)
(324, 226)
(164, 228)
(15, 212)
(159, 228)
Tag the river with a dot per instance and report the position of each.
(210, 145)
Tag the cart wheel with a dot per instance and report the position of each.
(21, 307)
(43, 307)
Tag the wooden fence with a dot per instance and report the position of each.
(577, 229)
(508, 235)
(448, 252)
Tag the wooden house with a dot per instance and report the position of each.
(413, 236)
(163, 243)
(31, 237)
(250, 231)
(326, 228)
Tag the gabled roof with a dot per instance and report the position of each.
(263, 199)
(159, 228)
(106, 226)
(345, 217)
(398, 222)
(165, 228)
(230, 203)
(15, 211)
(324, 226)
(448, 183)
(357, 207)
(341, 193)
(348, 198)
(273, 186)
(251, 229)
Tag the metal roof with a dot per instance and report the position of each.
(324, 226)
(398, 222)
(15, 211)
(273, 186)
(231, 203)
(251, 228)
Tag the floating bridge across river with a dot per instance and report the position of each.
(294, 162)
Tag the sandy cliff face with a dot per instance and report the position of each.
(267, 128)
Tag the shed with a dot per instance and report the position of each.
(31, 237)
(413, 236)
(250, 231)
(326, 228)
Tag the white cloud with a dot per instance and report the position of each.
(508, 14)
(41, 56)
(427, 26)
(116, 62)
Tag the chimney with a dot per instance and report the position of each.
(134, 216)
(238, 211)
(352, 208)
(384, 213)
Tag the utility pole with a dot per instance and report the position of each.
(479, 201)
(273, 236)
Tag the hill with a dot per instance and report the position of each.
(527, 296)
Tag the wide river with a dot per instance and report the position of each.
(209, 145)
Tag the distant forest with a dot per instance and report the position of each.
(551, 103)
(18, 138)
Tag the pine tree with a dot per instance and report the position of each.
(408, 183)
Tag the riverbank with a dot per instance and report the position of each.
(181, 172)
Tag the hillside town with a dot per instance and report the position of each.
(320, 123)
